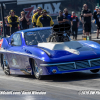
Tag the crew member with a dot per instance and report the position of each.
(13, 21)
(35, 16)
(23, 21)
(86, 14)
(97, 17)
(34, 11)
(44, 20)
(75, 25)
(61, 19)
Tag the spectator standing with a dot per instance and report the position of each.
(75, 25)
(61, 19)
(86, 15)
(23, 21)
(67, 16)
(34, 11)
(7, 28)
(44, 20)
(97, 17)
(13, 21)
(35, 16)
(95, 13)
(81, 19)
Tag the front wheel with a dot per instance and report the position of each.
(37, 70)
(95, 70)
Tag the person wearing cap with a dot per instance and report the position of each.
(86, 15)
(95, 13)
(61, 19)
(75, 25)
(44, 20)
(13, 21)
(23, 21)
(35, 16)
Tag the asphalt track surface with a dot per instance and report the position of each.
(58, 87)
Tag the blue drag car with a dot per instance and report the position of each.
(27, 52)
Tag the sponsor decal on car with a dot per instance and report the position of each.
(15, 64)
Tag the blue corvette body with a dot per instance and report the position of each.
(50, 61)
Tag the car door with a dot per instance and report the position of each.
(14, 57)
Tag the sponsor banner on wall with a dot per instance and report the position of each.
(52, 8)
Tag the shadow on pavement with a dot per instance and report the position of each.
(69, 77)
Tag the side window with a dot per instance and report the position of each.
(16, 40)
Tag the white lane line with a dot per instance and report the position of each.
(52, 84)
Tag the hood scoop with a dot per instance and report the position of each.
(67, 46)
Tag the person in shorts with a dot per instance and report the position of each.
(98, 22)
(86, 15)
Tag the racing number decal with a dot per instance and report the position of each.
(1, 43)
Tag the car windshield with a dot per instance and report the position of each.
(35, 37)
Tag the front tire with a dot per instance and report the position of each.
(36, 71)
(95, 70)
